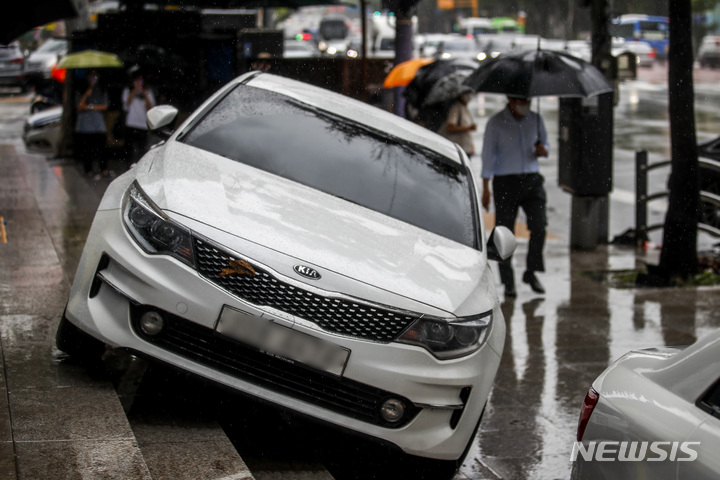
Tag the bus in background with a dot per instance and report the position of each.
(507, 25)
(474, 26)
(644, 28)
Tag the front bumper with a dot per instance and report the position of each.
(116, 280)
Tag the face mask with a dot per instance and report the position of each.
(522, 110)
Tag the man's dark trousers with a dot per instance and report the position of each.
(524, 191)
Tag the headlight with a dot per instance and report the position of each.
(153, 230)
(446, 338)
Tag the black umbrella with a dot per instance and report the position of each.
(418, 89)
(428, 75)
(536, 73)
(33, 14)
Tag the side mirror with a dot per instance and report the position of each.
(501, 244)
(160, 120)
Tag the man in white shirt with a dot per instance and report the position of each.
(514, 139)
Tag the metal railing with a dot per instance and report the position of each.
(710, 201)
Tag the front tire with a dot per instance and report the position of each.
(76, 343)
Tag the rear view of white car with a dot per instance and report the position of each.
(310, 251)
(653, 414)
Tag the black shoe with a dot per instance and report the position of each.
(530, 278)
(510, 291)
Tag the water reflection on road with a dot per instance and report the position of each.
(558, 344)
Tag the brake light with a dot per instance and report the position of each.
(652, 54)
(17, 60)
(591, 399)
(58, 74)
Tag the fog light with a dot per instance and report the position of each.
(392, 410)
(151, 323)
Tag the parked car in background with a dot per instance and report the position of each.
(429, 44)
(643, 51)
(12, 66)
(653, 414)
(39, 64)
(458, 47)
(41, 132)
(311, 251)
(383, 47)
(580, 49)
(300, 49)
(709, 52)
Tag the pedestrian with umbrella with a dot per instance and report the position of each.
(432, 115)
(91, 103)
(90, 128)
(516, 137)
(459, 123)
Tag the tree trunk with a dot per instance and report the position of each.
(678, 258)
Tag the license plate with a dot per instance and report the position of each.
(280, 341)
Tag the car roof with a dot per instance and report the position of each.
(353, 110)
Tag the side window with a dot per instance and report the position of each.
(710, 402)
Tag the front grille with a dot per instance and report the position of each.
(339, 316)
(341, 395)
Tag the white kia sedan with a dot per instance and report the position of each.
(653, 414)
(311, 251)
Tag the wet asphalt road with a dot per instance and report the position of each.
(556, 345)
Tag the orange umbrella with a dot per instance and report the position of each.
(403, 73)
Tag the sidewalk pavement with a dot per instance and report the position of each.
(60, 420)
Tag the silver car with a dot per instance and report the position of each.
(311, 251)
(12, 66)
(653, 414)
(709, 52)
(40, 63)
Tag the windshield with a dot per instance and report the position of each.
(280, 135)
(52, 46)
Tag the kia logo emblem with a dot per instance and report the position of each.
(307, 272)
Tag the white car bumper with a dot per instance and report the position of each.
(116, 279)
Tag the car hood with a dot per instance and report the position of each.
(311, 226)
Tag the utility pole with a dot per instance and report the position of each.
(586, 143)
(403, 47)
(603, 60)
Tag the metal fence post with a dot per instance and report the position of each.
(641, 196)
